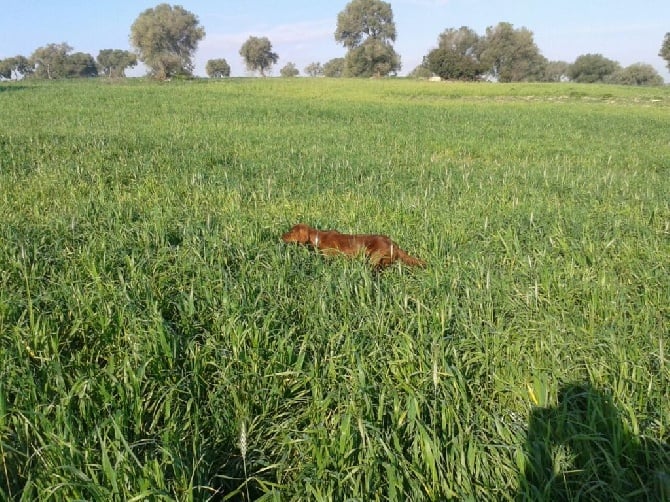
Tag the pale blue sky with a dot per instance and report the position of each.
(301, 31)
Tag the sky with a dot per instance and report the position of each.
(302, 31)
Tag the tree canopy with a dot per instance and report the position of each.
(16, 66)
(314, 69)
(456, 56)
(373, 58)
(636, 74)
(166, 38)
(80, 64)
(591, 68)
(366, 29)
(334, 68)
(421, 71)
(665, 49)
(556, 71)
(217, 68)
(257, 54)
(289, 70)
(452, 66)
(54, 61)
(463, 41)
(113, 62)
(49, 60)
(510, 55)
(5, 68)
(504, 53)
(362, 19)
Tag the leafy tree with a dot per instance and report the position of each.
(49, 60)
(590, 68)
(366, 29)
(556, 71)
(289, 70)
(113, 62)
(421, 71)
(314, 69)
(17, 66)
(80, 64)
(456, 56)
(463, 41)
(511, 55)
(373, 58)
(257, 54)
(217, 68)
(334, 68)
(636, 74)
(452, 66)
(166, 38)
(5, 68)
(665, 49)
(55, 61)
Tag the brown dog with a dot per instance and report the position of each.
(379, 249)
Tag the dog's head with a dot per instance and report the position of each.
(299, 234)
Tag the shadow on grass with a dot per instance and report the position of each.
(10, 86)
(580, 449)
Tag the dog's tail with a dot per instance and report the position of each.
(409, 260)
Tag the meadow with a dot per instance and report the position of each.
(159, 342)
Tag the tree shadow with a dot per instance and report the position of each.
(581, 449)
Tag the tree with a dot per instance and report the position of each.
(113, 62)
(456, 56)
(591, 68)
(366, 29)
(257, 54)
(217, 68)
(636, 74)
(334, 68)
(55, 61)
(665, 49)
(289, 70)
(373, 58)
(556, 71)
(421, 71)
(452, 66)
(49, 60)
(511, 55)
(5, 68)
(80, 64)
(463, 41)
(314, 69)
(166, 38)
(17, 66)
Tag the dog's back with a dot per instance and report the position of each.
(380, 250)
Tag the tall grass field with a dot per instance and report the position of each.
(158, 341)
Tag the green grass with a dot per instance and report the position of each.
(150, 315)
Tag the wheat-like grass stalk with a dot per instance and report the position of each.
(243, 451)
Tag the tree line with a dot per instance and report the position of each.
(166, 37)
(55, 61)
(507, 54)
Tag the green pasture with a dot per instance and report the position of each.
(159, 342)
